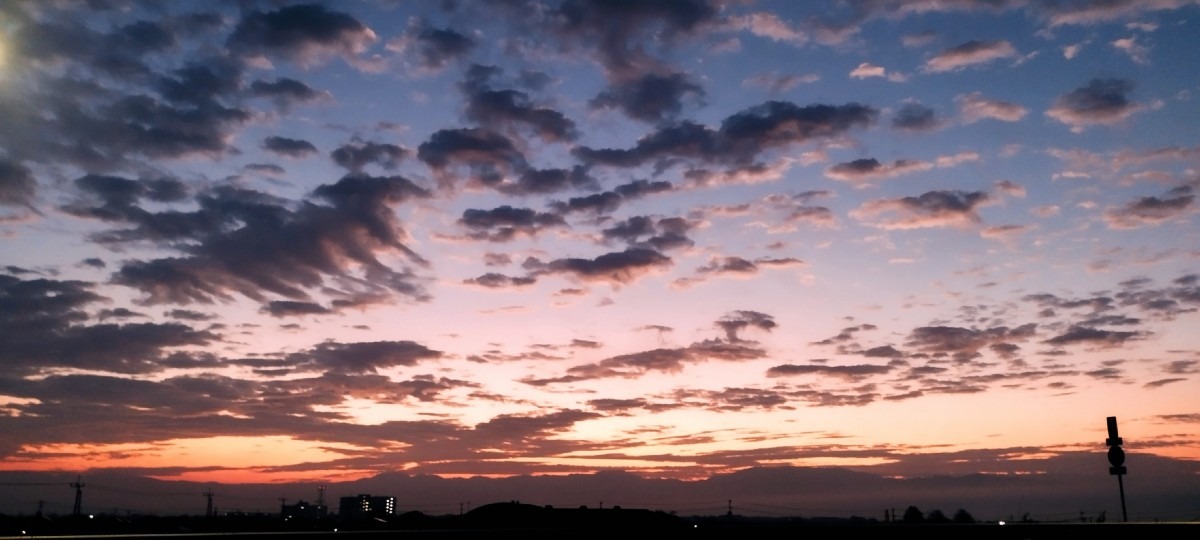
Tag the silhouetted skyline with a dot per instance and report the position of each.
(293, 243)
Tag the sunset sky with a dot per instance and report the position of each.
(277, 242)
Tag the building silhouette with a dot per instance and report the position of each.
(365, 505)
(304, 510)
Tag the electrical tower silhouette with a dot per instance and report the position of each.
(78, 485)
(208, 512)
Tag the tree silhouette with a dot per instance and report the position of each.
(962, 516)
(936, 516)
(913, 515)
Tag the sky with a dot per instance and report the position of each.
(276, 242)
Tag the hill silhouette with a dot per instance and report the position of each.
(1059, 489)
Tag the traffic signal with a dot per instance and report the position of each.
(1116, 456)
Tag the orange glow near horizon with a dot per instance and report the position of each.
(227, 452)
(262, 476)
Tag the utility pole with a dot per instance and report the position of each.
(208, 511)
(729, 512)
(78, 485)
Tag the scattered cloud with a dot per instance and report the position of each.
(1102, 101)
(971, 53)
(974, 107)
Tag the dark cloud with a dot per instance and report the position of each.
(437, 47)
(359, 154)
(295, 148)
(730, 399)
(741, 138)
(286, 92)
(116, 192)
(488, 155)
(120, 52)
(1096, 303)
(608, 201)
(853, 397)
(599, 203)
(100, 129)
(735, 322)
(884, 351)
(506, 222)
(43, 325)
(291, 308)
(649, 233)
(497, 259)
(542, 181)
(778, 262)
(1162, 382)
(508, 109)
(494, 280)
(266, 169)
(846, 335)
(276, 249)
(1082, 335)
(363, 357)
(117, 313)
(954, 339)
(635, 365)
(1151, 211)
(1104, 373)
(726, 351)
(117, 199)
(916, 117)
(930, 209)
(1102, 101)
(728, 265)
(621, 267)
(100, 105)
(17, 184)
(651, 97)
(618, 32)
(866, 169)
(610, 405)
(306, 34)
(188, 315)
(852, 372)
(201, 83)
(1183, 367)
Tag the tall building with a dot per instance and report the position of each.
(364, 505)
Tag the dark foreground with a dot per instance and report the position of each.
(516, 520)
(1021, 531)
(665, 528)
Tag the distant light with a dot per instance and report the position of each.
(91, 516)
(694, 526)
(1002, 523)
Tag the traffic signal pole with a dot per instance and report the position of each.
(1116, 457)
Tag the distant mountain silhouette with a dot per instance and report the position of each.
(1060, 488)
(515, 515)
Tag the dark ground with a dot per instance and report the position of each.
(514, 520)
